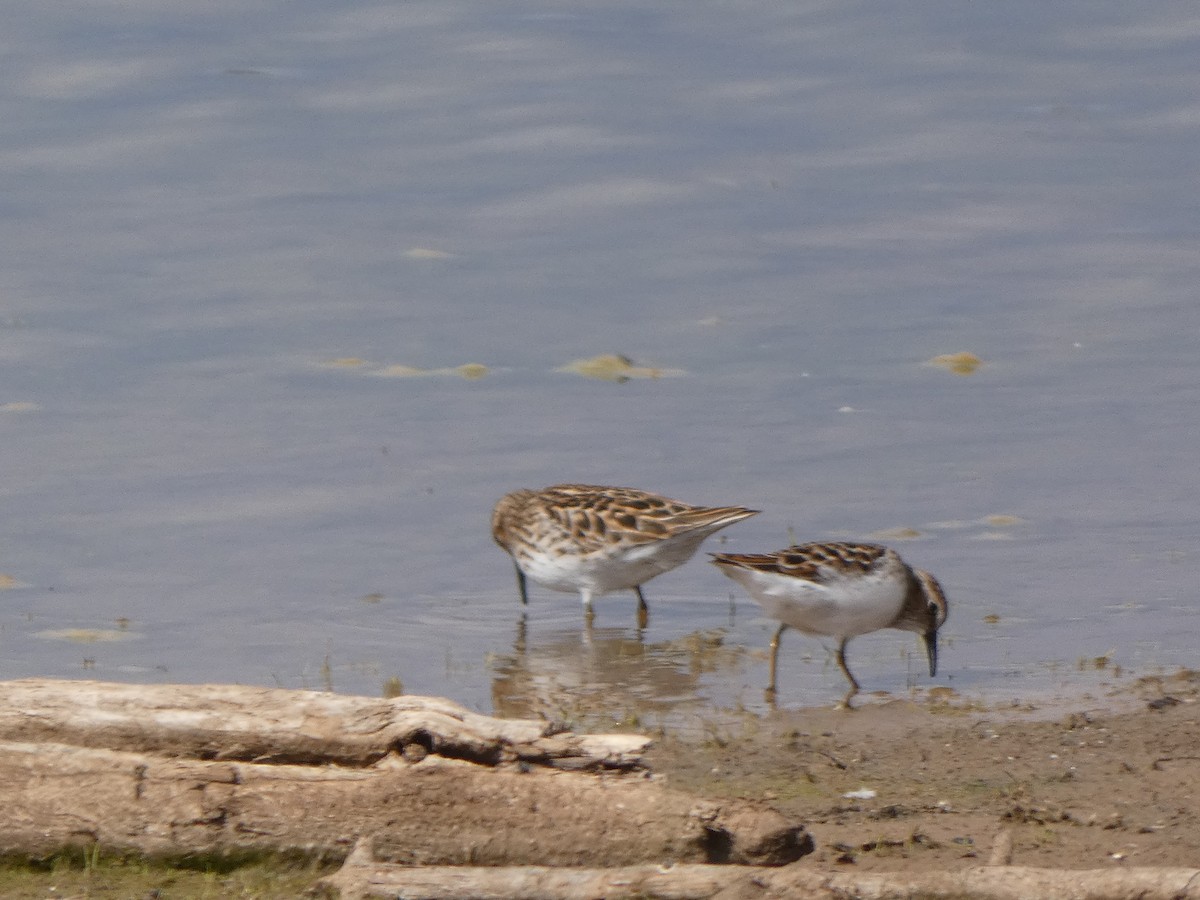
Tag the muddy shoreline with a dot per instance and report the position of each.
(897, 785)
(932, 783)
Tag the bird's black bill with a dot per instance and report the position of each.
(521, 587)
(930, 638)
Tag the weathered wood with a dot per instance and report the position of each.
(431, 812)
(233, 722)
(175, 772)
(361, 878)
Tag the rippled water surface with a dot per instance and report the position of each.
(224, 223)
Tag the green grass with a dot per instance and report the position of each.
(86, 874)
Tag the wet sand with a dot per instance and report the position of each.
(896, 785)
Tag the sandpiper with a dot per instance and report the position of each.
(594, 539)
(840, 590)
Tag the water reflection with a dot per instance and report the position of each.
(574, 674)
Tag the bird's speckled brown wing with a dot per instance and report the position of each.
(589, 518)
(818, 563)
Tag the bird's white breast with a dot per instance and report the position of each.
(841, 607)
(615, 568)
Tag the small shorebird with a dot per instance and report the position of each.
(594, 539)
(840, 590)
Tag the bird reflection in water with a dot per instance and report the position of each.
(606, 674)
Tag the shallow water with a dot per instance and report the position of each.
(206, 207)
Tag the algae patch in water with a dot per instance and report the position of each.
(426, 253)
(88, 635)
(959, 363)
(899, 533)
(469, 371)
(1002, 521)
(615, 367)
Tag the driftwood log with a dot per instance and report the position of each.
(265, 725)
(191, 770)
(361, 878)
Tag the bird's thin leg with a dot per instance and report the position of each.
(774, 660)
(521, 586)
(841, 661)
(589, 614)
(643, 611)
